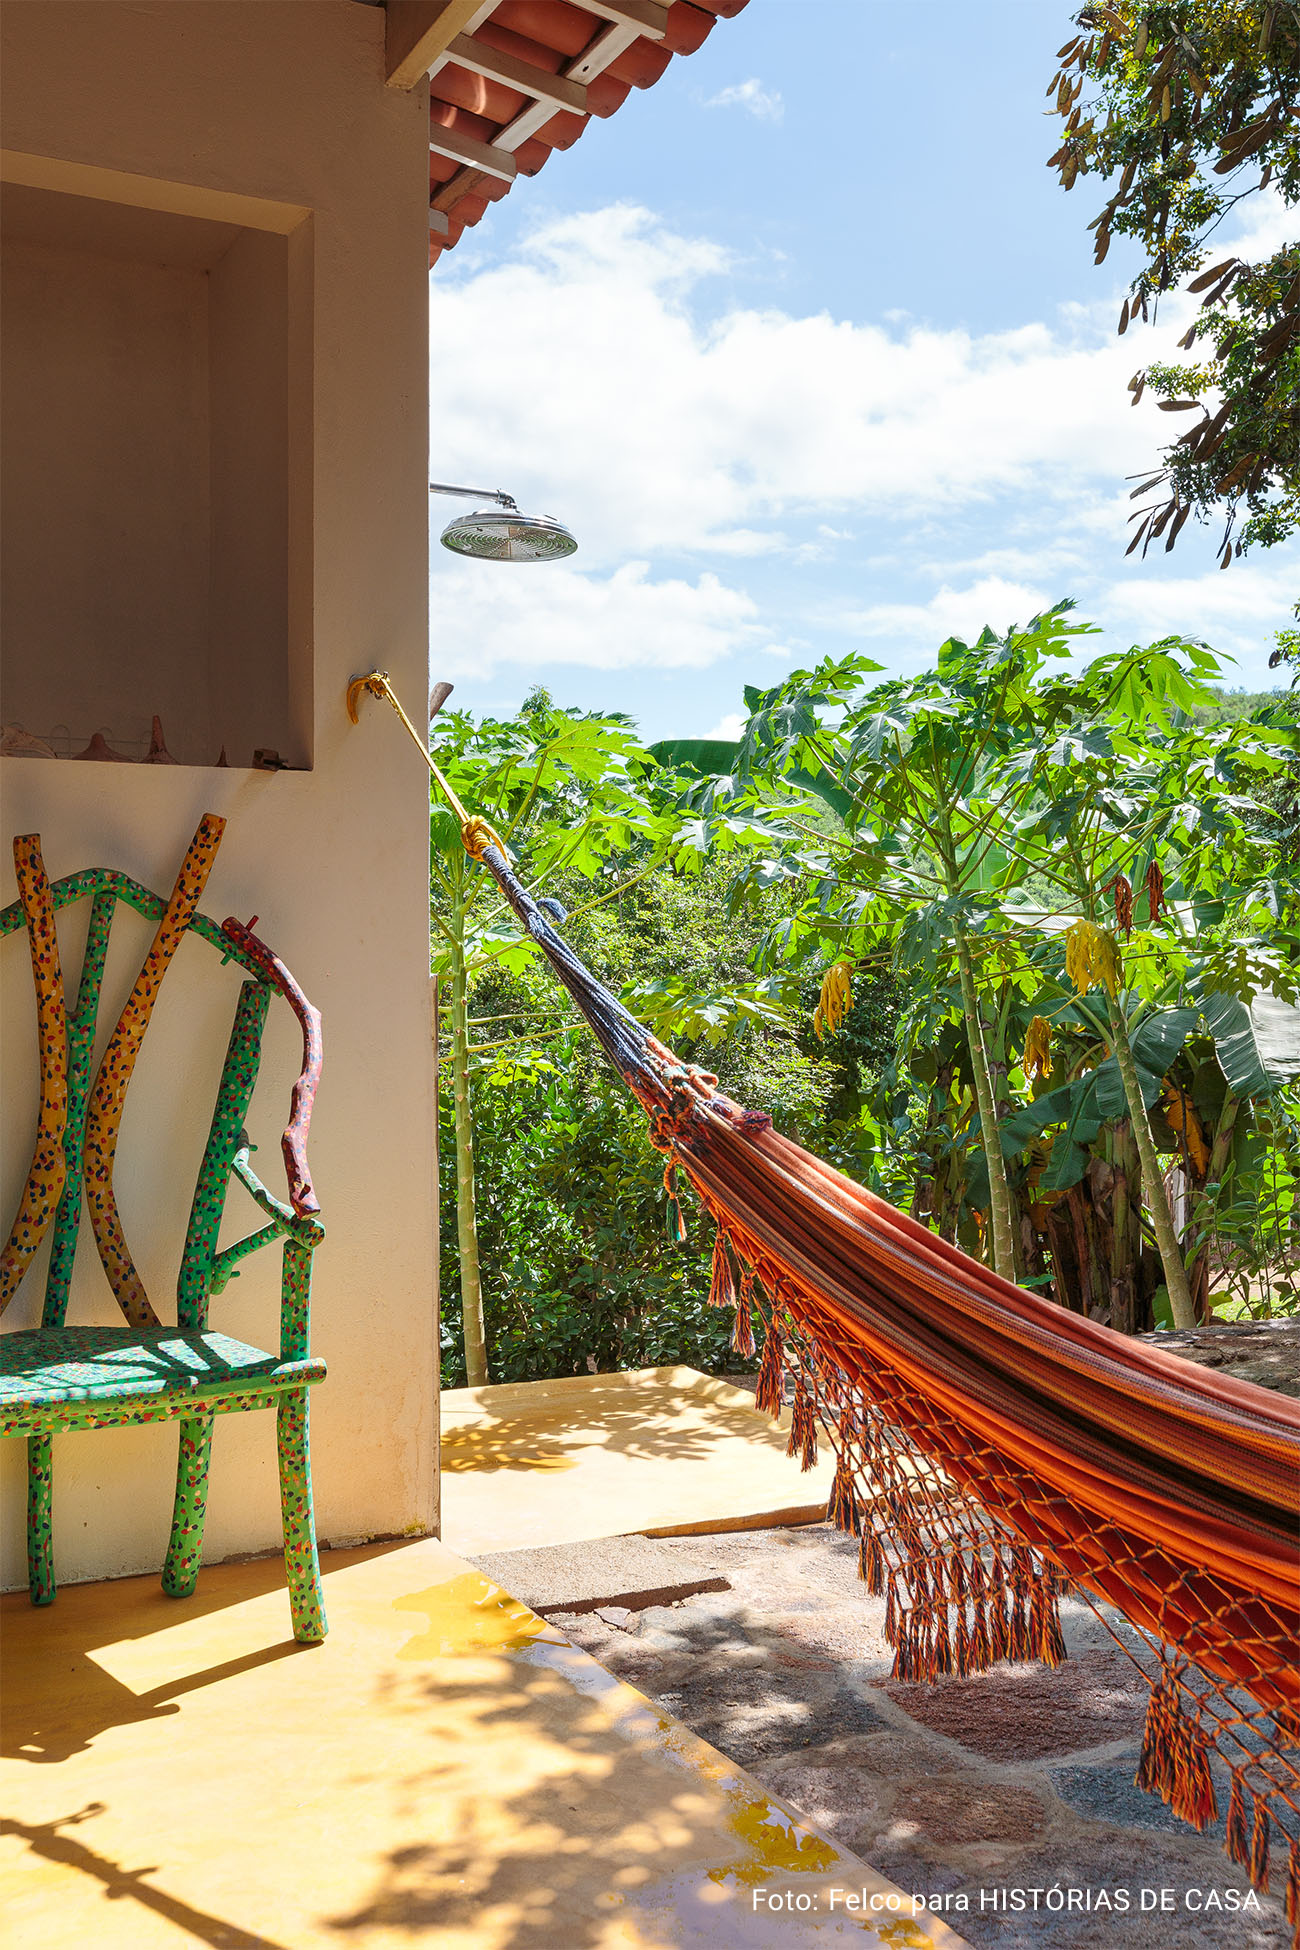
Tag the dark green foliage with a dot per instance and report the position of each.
(1138, 757)
(578, 1270)
(1190, 106)
(579, 1274)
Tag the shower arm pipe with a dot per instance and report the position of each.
(476, 494)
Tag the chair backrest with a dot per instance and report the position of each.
(80, 1114)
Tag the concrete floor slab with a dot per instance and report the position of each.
(445, 1769)
(634, 1572)
(662, 1451)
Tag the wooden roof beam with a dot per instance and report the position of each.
(477, 155)
(418, 32)
(603, 51)
(554, 89)
(648, 17)
(449, 194)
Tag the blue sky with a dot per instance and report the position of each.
(807, 346)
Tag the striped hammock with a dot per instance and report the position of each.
(994, 1450)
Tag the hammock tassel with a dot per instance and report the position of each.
(1175, 1764)
(767, 1389)
(1046, 1642)
(961, 1647)
(998, 1649)
(842, 1508)
(1291, 1906)
(722, 1291)
(980, 1658)
(941, 1661)
(1235, 1842)
(1155, 1774)
(676, 1224)
(871, 1562)
(742, 1330)
(904, 1664)
(803, 1430)
(1259, 1841)
(1017, 1628)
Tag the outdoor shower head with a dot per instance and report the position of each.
(501, 533)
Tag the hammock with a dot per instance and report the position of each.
(994, 1450)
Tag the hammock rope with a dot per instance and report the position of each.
(993, 1450)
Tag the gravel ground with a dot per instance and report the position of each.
(1015, 1780)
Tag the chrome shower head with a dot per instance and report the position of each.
(500, 533)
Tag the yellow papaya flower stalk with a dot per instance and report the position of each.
(1037, 1059)
(1091, 958)
(836, 1000)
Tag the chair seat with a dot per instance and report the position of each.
(47, 1369)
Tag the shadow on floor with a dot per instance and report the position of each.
(120, 1884)
(46, 1723)
(606, 1830)
(644, 1422)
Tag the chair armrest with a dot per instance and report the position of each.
(302, 1196)
(284, 1222)
(304, 1227)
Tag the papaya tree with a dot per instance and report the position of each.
(902, 847)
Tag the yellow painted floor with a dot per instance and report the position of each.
(659, 1452)
(445, 1769)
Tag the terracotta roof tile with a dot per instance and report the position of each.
(476, 111)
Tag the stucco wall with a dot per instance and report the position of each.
(281, 101)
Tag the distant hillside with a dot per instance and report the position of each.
(1239, 704)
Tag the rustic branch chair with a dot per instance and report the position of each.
(56, 1378)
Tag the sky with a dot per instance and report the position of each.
(807, 347)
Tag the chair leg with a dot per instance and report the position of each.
(302, 1566)
(189, 1512)
(40, 1516)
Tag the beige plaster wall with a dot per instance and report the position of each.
(273, 115)
(104, 438)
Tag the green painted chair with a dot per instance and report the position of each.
(56, 1378)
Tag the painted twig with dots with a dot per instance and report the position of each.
(108, 1098)
(45, 1180)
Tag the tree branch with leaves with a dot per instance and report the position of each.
(1189, 107)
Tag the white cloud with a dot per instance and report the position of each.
(881, 480)
(950, 612)
(729, 726)
(1264, 225)
(764, 103)
(555, 613)
(1232, 608)
(579, 374)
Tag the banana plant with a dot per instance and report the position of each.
(1138, 820)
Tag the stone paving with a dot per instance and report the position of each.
(1015, 1780)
